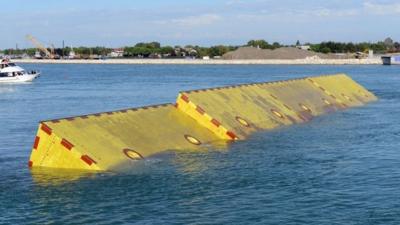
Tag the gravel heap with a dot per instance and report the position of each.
(279, 53)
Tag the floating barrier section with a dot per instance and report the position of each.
(200, 118)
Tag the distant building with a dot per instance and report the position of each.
(191, 51)
(155, 56)
(72, 55)
(179, 52)
(370, 54)
(25, 56)
(391, 59)
(117, 53)
(184, 52)
(304, 47)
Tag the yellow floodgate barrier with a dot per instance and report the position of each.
(199, 119)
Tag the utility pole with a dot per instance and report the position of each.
(63, 46)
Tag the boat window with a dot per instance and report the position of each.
(11, 64)
(3, 75)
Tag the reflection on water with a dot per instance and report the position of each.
(6, 89)
(51, 176)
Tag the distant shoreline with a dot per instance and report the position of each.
(307, 61)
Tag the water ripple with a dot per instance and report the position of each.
(341, 168)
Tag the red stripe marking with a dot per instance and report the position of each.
(216, 122)
(67, 144)
(88, 160)
(30, 163)
(185, 98)
(231, 135)
(46, 129)
(200, 110)
(36, 144)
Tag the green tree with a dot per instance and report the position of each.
(276, 45)
(167, 50)
(150, 45)
(325, 50)
(259, 43)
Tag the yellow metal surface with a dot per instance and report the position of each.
(343, 90)
(114, 138)
(200, 118)
(239, 110)
(301, 98)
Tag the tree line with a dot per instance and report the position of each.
(156, 50)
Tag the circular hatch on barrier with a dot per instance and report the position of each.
(192, 140)
(132, 154)
(242, 121)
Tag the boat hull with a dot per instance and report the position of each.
(19, 79)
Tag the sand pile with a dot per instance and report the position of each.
(279, 53)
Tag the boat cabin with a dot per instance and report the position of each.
(4, 65)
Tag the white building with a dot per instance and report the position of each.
(116, 53)
(304, 47)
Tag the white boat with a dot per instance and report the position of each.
(11, 73)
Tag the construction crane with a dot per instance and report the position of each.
(53, 52)
(52, 49)
(39, 46)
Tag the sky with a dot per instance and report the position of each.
(118, 23)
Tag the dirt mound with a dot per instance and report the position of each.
(279, 53)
